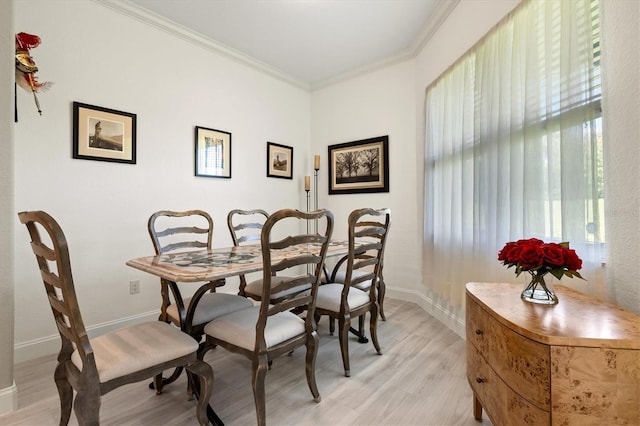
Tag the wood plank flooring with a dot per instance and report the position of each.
(419, 380)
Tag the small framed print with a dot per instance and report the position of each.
(103, 134)
(213, 153)
(359, 167)
(279, 161)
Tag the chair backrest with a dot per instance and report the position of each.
(52, 255)
(295, 254)
(180, 231)
(368, 230)
(246, 225)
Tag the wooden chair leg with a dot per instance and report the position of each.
(87, 407)
(259, 372)
(201, 375)
(310, 365)
(361, 325)
(65, 392)
(373, 325)
(382, 289)
(343, 335)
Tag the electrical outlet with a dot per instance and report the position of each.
(134, 287)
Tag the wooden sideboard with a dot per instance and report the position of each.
(574, 363)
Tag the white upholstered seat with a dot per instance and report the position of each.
(210, 307)
(239, 328)
(136, 348)
(254, 288)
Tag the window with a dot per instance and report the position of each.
(513, 145)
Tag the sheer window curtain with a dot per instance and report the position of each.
(513, 149)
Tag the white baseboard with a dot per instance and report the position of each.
(49, 345)
(449, 318)
(8, 399)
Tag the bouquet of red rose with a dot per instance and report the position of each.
(537, 257)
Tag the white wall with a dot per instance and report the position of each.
(98, 56)
(621, 133)
(376, 104)
(8, 391)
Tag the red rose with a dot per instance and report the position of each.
(531, 242)
(553, 254)
(571, 260)
(503, 255)
(531, 255)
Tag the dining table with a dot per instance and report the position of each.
(204, 266)
(219, 263)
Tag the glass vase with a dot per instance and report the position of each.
(538, 292)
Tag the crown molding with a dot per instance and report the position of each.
(148, 17)
(125, 7)
(442, 12)
(439, 15)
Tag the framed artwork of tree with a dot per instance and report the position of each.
(360, 166)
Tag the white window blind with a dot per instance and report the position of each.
(513, 146)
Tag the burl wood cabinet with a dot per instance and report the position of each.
(574, 363)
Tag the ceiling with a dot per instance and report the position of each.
(311, 42)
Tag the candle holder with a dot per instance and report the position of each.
(315, 188)
(307, 191)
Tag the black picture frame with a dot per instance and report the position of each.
(103, 134)
(359, 166)
(279, 161)
(212, 153)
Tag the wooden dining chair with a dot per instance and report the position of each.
(94, 367)
(245, 227)
(181, 231)
(341, 301)
(339, 273)
(270, 330)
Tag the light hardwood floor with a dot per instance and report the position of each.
(419, 380)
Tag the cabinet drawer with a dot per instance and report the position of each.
(477, 327)
(524, 365)
(501, 403)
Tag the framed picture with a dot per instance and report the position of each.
(103, 134)
(213, 153)
(279, 161)
(359, 167)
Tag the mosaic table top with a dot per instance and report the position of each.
(210, 265)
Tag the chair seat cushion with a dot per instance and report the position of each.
(340, 277)
(137, 347)
(329, 296)
(212, 306)
(254, 288)
(239, 328)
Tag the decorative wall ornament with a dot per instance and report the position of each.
(26, 67)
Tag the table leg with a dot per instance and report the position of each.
(361, 338)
